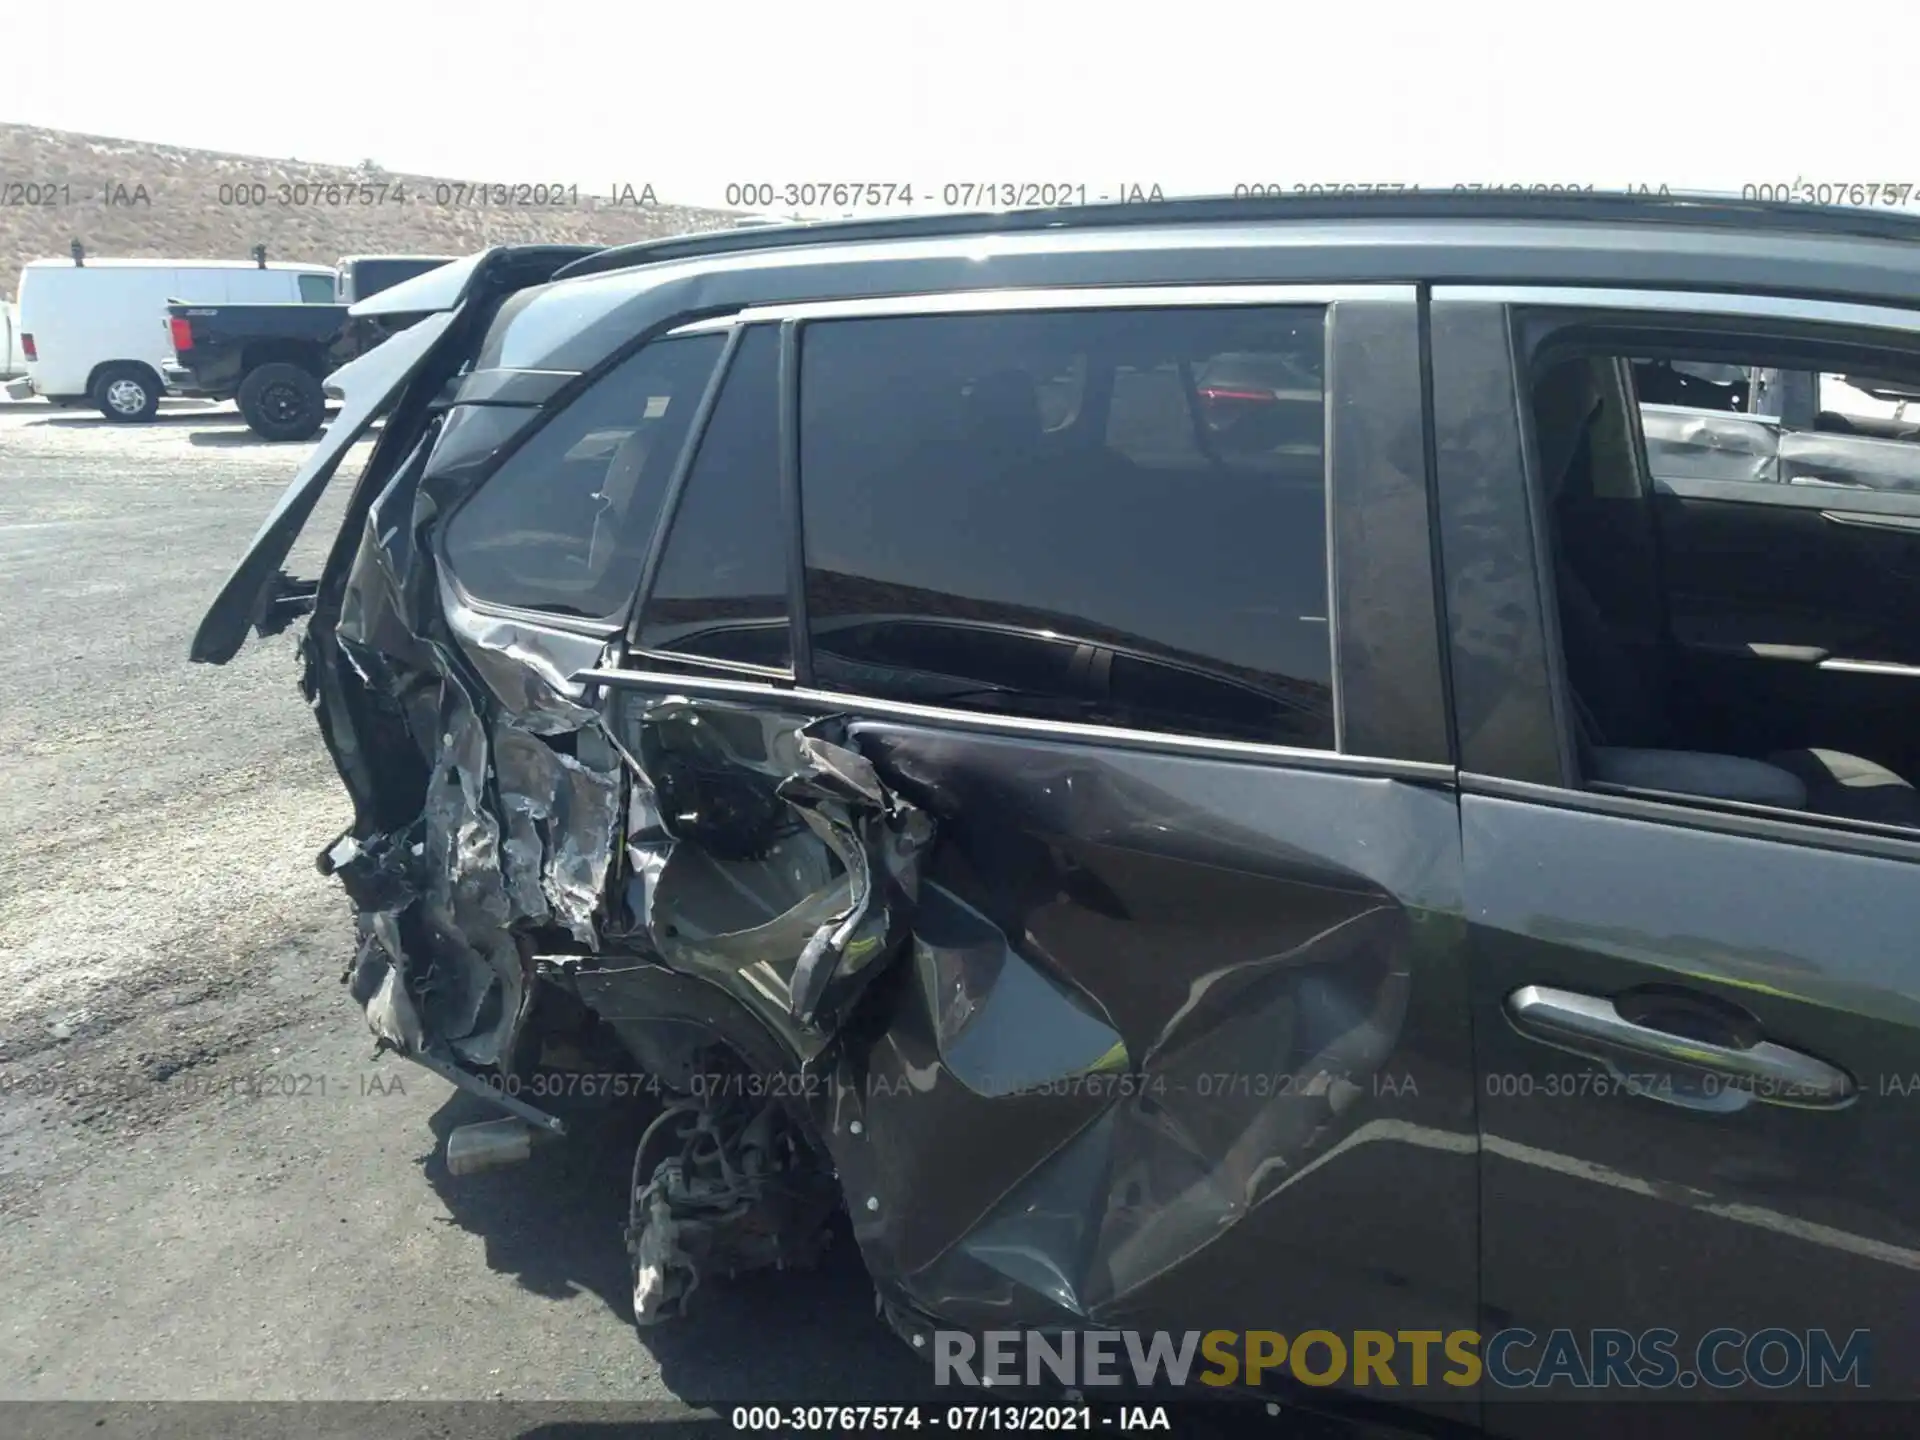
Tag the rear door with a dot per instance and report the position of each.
(1182, 1042)
(1675, 1206)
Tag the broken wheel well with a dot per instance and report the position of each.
(682, 1030)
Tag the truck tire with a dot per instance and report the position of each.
(126, 394)
(282, 402)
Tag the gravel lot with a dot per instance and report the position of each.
(163, 933)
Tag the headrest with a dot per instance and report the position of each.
(1565, 400)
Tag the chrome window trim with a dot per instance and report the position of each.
(1872, 667)
(738, 667)
(606, 628)
(703, 327)
(829, 702)
(1092, 297)
(1693, 302)
(1766, 823)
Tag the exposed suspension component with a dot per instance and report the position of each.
(722, 1184)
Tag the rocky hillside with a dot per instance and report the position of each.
(132, 198)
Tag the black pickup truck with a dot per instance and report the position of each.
(272, 358)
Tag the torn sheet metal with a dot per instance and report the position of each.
(562, 818)
(437, 964)
(515, 834)
(525, 668)
(767, 856)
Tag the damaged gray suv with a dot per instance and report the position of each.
(1177, 763)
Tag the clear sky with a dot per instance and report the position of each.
(1196, 96)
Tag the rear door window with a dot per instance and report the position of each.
(721, 591)
(563, 525)
(1131, 558)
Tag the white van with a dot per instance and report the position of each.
(12, 362)
(95, 332)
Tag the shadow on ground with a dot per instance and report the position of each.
(556, 1225)
(174, 419)
(238, 437)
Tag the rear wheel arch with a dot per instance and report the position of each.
(93, 377)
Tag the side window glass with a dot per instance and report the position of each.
(1164, 568)
(564, 524)
(316, 289)
(1239, 409)
(721, 590)
(1727, 642)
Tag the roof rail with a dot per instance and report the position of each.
(1588, 206)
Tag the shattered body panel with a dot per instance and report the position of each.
(1143, 1003)
(1078, 1034)
(765, 859)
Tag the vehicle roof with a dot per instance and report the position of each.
(599, 302)
(1690, 210)
(104, 263)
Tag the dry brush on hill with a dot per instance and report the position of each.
(136, 199)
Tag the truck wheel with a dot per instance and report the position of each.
(126, 394)
(282, 402)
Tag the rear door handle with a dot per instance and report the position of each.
(1591, 1025)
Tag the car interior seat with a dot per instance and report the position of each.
(1624, 732)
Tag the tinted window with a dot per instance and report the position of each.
(370, 277)
(722, 586)
(1138, 554)
(563, 525)
(316, 289)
